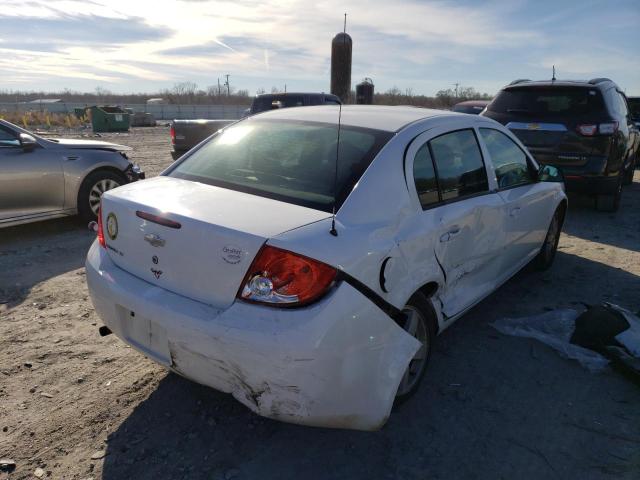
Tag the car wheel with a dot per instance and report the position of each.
(92, 189)
(610, 202)
(420, 323)
(544, 259)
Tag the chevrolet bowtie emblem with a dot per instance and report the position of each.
(154, 240)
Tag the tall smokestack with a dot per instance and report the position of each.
(341, 46)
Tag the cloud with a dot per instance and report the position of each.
(79, 30)
(133, 45)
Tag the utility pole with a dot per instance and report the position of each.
(457, 85)
(218, 86)
(226, 83)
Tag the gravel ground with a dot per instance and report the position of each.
(79, 406)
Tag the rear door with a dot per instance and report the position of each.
(31, 182)
(526, 201)
(461, 217)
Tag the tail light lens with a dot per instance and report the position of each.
(284, 279)
(608, 128)
(172, 132)
(101, 230)
(587, 130)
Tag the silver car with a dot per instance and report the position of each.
(48, 178)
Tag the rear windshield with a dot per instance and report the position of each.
(634, 107)
(548, 101)
(286, 160)
(468, 108)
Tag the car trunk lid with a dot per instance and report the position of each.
(193, 239)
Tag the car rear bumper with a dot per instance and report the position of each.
(337, 363)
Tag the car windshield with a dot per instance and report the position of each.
(548, 101)
(286, 160)
(634, 107)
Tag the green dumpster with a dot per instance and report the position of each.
(109, 119)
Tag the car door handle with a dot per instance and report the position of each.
(445, 237)
(514, 212)
(71, 158)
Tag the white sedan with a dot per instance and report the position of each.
(231, 269)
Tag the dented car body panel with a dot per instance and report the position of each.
(338, 361)
(287, 365)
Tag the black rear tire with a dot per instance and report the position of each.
(99, 180)
(611, 201)
(425, 332)
(628, 175)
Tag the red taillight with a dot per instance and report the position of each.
(284, 279)
(588, 130)
(101, 230)
(172, 132)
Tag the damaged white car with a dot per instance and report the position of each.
(232, 270)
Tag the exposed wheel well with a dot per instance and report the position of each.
(429, 289)
(107, 169)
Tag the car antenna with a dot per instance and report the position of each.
(333, 230)
(553, 78)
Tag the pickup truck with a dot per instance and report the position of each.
(186, 134)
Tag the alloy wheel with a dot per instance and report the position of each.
(97, 190)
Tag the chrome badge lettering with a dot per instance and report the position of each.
(154, 240)
(231, 254)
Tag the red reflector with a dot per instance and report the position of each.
(172, 132)
(285, 279)
(573, 177)
(158, 219)
(101, 240)
(587, 130)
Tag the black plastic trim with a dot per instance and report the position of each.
(396, 314)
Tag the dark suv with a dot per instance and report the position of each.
(582, 127)
(634, 108)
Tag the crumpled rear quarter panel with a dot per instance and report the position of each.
(337, 363)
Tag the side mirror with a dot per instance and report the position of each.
(27, 142)
(549, 173)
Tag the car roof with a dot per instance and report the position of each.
(596, 83)
(284, 94)
(377, 117)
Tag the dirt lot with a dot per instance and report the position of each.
(79, 406)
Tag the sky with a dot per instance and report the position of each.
(146, 46)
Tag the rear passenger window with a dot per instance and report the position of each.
(425, 177)
(459, 166)
(509, 162)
